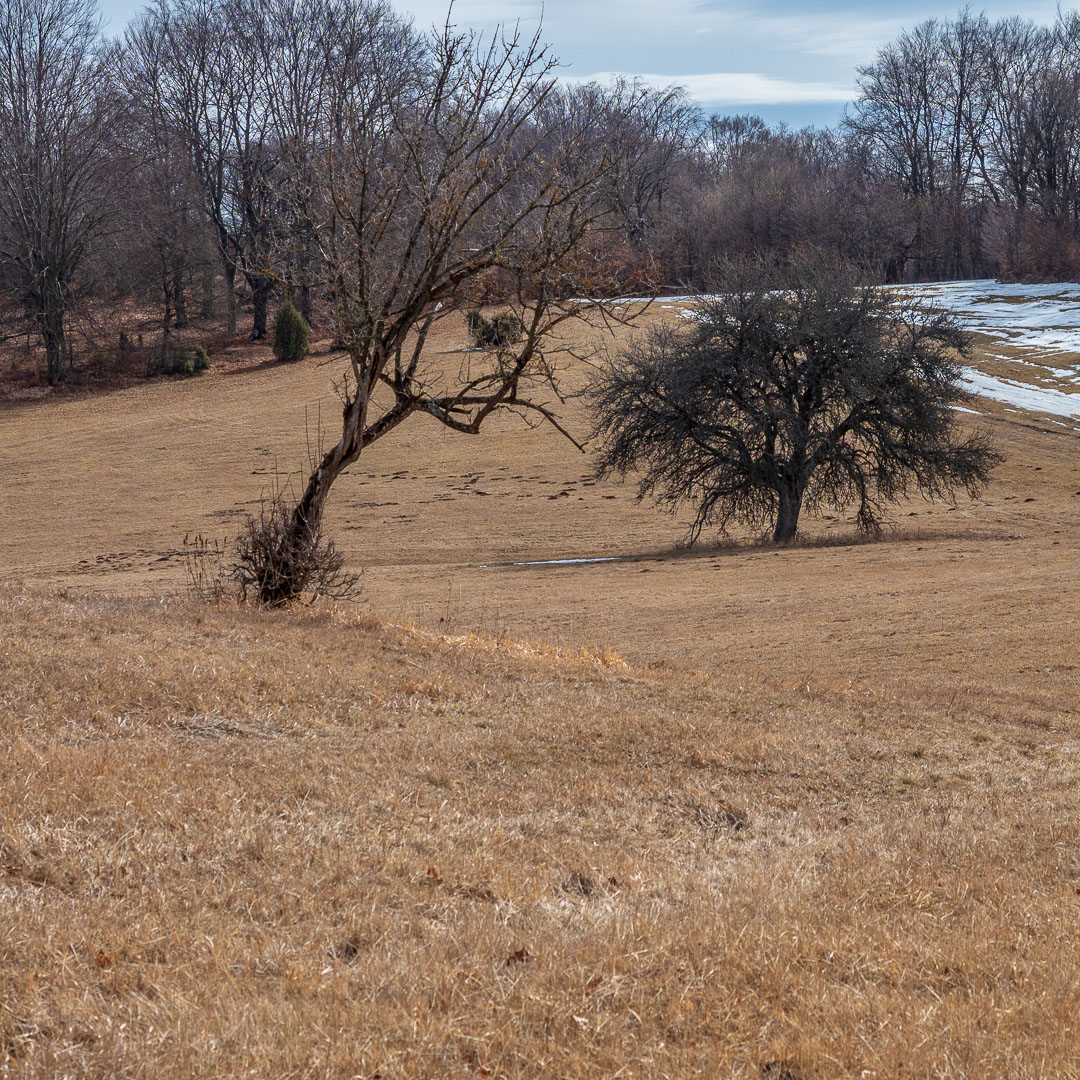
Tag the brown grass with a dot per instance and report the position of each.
(240, 844)
(740, 812)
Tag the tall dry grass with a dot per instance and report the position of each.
(240, 844)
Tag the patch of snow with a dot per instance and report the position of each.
(1033, 398)
(567, 562)
(664, 301)
(1035, 318)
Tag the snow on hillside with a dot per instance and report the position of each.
(1023, 395)
(1037, 325)
(1040, 326)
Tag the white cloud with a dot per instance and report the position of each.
(853, 40)
(739, 88)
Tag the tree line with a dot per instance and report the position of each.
(183, 163)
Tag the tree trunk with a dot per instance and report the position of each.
(787, 515)
(286, 582)
(260, 296)
(286, 575)
(307, 516)
(179, 306)
(230, 294)
(166, 327)
(51, 323)
(304, 304)
(206, 309)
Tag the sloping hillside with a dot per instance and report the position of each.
(790, 813)
(243, 844)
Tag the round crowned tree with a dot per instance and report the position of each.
(806, 390)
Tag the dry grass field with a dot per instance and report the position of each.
(745, 812)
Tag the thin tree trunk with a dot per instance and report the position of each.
(230, 294)
(309, 510)
(206, 309)
(301, 295)
(304, 304)
(179, 305)
(260, 296)
(308, 513)
(787, 515)
(167, 294)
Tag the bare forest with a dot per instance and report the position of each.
(205, 163)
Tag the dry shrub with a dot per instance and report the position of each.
(275, 565)
(205, 567)
(269, 563)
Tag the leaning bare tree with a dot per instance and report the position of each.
(57, 175)
(428, 178)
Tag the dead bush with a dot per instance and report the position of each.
(278, 561)
(272, 562)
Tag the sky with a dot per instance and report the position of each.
(791, 61)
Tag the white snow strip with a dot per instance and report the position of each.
(566, 562)
(1033, 398)
(1035, 318)
(662, 300)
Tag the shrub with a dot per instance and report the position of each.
(290, 333)
(268, 564)
(185, 363)
(507, 328)
(275, 565)
(503, 328)
(178, 363)
(477, 325)
(209, 578)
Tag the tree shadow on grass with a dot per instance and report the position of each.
(851, 538)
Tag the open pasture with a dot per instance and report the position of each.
(739, 811)
(469, 533)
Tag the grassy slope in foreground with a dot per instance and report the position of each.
(247, 844)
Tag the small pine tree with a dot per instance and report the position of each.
(506, 328)
(477, 325)
(503, 328)
(202, 359)
(290, 333)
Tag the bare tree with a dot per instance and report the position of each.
(646, 132)
(314, 57)
(773, 399)
(727, 139)
(964, 108)
(1030, 165)
(164, 211)
(57, 174)
(426, 186)
(200, 62)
